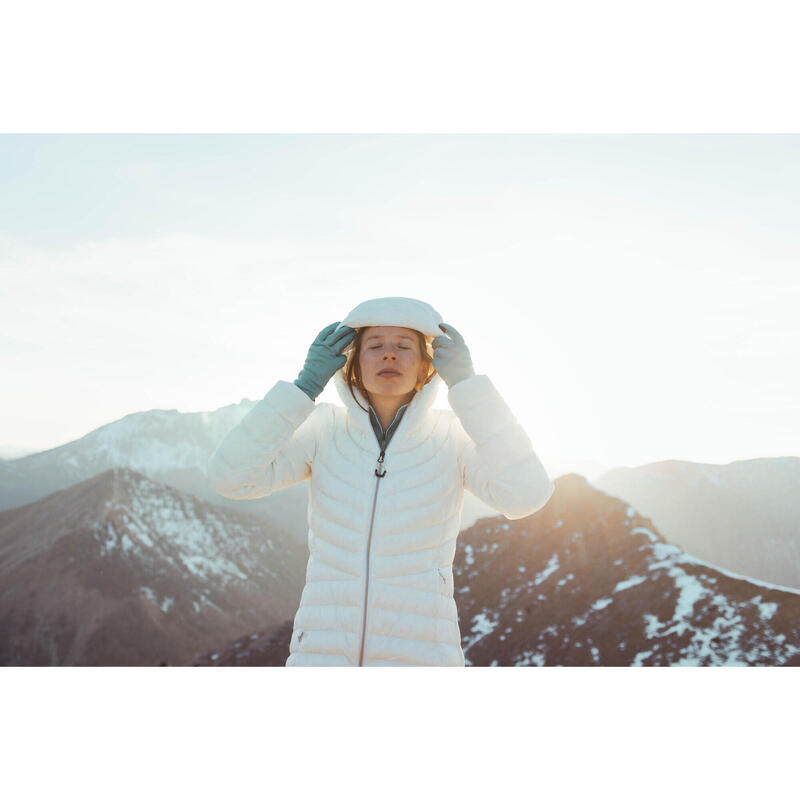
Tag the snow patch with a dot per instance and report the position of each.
(481, 625)
(148, 593)
(530, 658)
(552, 566)
(634, 580)
(469, 557)
(647, 532)
(765, 610)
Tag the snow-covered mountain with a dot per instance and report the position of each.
(743, 516)
(120, 569)
(589, 581)
(154, 443)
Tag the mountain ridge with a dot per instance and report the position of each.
(743, 516)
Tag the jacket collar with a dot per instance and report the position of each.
(415, 419)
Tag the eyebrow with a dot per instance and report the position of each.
(380, 336)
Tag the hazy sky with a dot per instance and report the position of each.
(634, 298)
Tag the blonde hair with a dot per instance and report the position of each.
(352, 368)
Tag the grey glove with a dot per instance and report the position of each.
(324, 358)
(451, 357)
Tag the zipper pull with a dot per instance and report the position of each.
(380, 464)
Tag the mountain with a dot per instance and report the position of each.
(588, 581)
(120, 569)
(743, 516)
(167, 446)
(151, 442)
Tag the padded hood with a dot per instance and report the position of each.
(400, 312)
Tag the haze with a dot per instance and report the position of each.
(632, 297)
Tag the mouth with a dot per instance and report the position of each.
(389, 373)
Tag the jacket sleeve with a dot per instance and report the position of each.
(496, 457)
(271, 448)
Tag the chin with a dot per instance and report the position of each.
(390, 391)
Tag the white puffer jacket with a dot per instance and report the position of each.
(379, 580)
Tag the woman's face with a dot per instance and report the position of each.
(390, 361)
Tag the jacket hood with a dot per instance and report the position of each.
(400, 312)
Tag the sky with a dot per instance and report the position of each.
(632, 297)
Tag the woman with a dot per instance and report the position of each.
(387, 474)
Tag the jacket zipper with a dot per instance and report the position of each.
(379, 473)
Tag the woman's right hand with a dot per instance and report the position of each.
(324, 358)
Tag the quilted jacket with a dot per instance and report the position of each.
(382, 526)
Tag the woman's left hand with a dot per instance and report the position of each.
(451, 357)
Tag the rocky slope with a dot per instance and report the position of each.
(120, 569)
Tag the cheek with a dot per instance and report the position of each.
(368, 362)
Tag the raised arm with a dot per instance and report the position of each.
(271, 448)
(274, 445)
(496, 457)
(497, 460)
